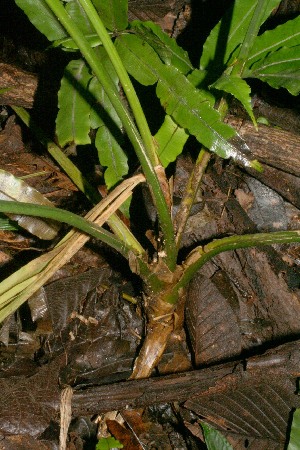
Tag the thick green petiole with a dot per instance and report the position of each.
(129, 125)
(61, 215)
(124, 79)
(116, 224)
(201, 255)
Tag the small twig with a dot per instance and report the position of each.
(191, 190)
(65, 416)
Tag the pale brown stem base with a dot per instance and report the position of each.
(163, 320)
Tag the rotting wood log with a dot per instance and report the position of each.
(272, 146)
(283, 362)
(287, 185)
(21, 86)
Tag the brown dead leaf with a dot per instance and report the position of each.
(245, 199)
(124, 435)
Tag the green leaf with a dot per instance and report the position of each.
(294, 442)
(139, 58)
(102, 109)
(109, 137)
(108, 443)
(198, 78)
(221, 46)
(192, 111)
(3, 90)
(170, 139)
(166, 47)
(111, 155)
(73, 119)
(113, 13)
(69, 45)
(214, 439)
(188, 106)
(15, 189)
(79, 17)
(286, 35)
(41, 16)
(237, 87)
(280, 69)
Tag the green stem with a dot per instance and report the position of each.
(116, 224)
(126, 83)
(133, 134)
(250, 36)
(61, 215)
(201, 255)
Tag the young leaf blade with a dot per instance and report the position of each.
(139, 58)
(109, 137)
(79, 17)
(41, 16)
(237, 87)
(224, 40)
(170, 139)
(73, 119)
(285, 35)
(108, 444)
(280, 69)
(166, 47)
(68, 44)
(114, 13)
(294, 442)
(102, 107)
(214, 439)
(111, 155)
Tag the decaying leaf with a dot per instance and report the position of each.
(13, 188)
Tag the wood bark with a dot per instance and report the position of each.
(21, 86)
(273, 146)
(281, 363)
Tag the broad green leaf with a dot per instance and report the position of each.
(237, 87)
(221, 46)
(113, 13)
(79, 17)
(15, 189)
(188, 106)
(139, 58)
(294, 442)
(69, 45)
(108, 443)
(170, 139)
(73, 119)
(166, 47)
(41, 16)
(286, 35)
(102, 109)
(111, 155)
(214, 439)
(197, 77)
(279, 69)
(109, 137)
(192, 111)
